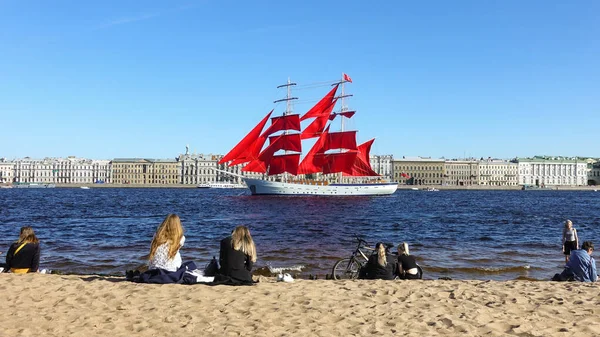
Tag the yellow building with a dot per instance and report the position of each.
(142, 171)
(419, 171)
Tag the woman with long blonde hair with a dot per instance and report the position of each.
(378, 266)
(168, 239)
(407, 265)
(238, 255)
(570, 240)
(23, 256)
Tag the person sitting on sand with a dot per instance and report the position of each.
(237, 255)
(23, 256)
(168, 239)
(581, 263)
(378, 266)
(569, 239)
(407, 265)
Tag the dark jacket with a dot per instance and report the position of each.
(407, 262)
(27, 257)
(373, 270)
(234, 263)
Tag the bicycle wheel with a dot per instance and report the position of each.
(345, 269)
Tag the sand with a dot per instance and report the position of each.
(70, 305)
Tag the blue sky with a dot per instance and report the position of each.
(110, 79)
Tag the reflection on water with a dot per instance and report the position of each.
(458, 234)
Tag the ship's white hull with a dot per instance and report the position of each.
(264, 187)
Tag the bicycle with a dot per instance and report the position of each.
(349, 268)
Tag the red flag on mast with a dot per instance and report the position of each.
(347, 78)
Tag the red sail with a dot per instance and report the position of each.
(362, 164)
(317, 126)
(289, 142)
(287, 122)
(347, 114)
(341, 140)
(285, 163)
(255, 166)
(250, 138)
(322, 105)
(310, 163)
(338, 162)
(250, 153)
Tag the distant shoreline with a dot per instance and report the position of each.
(400, 187)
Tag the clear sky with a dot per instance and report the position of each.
(106, 79)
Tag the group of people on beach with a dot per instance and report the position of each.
(237, 255)
(385, 266)
(580, 265)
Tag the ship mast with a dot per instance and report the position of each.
(288, 98)
(288, 106)
(344, 107)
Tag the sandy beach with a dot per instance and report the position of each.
(71, 305)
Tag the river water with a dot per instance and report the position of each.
(498, 235)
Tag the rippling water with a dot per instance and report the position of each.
(459, 234)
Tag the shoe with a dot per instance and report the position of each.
(287, 278)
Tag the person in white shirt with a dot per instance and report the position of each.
(569, 239)
(168, 239)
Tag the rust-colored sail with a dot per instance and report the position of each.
(280, 123)
(322, 105)
(362, 164)
(238, 151)
(284, 163)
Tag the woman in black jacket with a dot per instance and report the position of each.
(378, 266)
(23, 256)
(407, 265)
(238, 255)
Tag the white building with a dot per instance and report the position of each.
(383, 165)
(70, 170)
(7, 169)
(497, 172)
(594, 174)
(552, 171)
(198, 168)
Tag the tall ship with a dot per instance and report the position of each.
(335, 165)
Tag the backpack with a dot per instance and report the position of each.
(212, 268)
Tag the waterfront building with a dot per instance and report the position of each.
(552, 171)
(594, 174)
(461, 172)
(498, 172)
(143, 171)
(70, 170)
(418, 171)
(198, 168)
(7, 169)
(383, 165)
